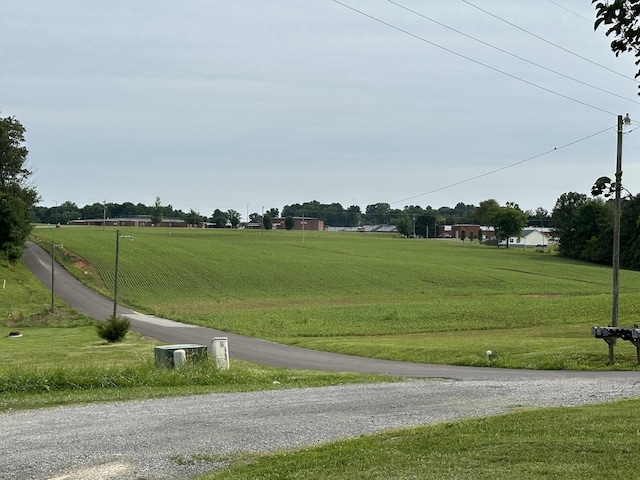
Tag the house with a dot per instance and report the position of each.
(530, 237)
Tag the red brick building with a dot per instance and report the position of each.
(309, 223)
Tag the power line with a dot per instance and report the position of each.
(422, 39)
(486, 174)
(510, 54)
(571, 12)
(497, 17)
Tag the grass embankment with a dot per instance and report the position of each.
(379, 296)
(561, 443)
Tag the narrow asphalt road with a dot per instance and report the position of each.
(85, 300)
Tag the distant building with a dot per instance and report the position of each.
(455, 231)
(308, 223)
(382, 228)
(131, 221)
(531, 237)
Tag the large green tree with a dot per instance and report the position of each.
(509, 221)
(17, 196)
(486, 211)
(622, 20)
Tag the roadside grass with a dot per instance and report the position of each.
(598, 441)
(568, 348)
(21, 294)
(51, 366)
(431, 301)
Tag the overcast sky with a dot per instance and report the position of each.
(245, 104)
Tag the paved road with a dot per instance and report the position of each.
(264, 352)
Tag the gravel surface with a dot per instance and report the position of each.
(158, 439)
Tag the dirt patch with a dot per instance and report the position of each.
(82, 265)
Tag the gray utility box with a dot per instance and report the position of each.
(193, 352)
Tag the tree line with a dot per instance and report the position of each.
(585, 227)
(333, 214)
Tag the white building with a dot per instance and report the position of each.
(531, 237)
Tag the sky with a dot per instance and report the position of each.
(255, 104)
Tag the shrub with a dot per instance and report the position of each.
(114, 329)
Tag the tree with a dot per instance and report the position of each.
(426, 223)
(622, 17)
(274, 212)
(192, 218)
(289, 222)
(68, 211)
(564, 217)
(404, 225)
(156, 212)
(218, 218)
(463, 235)
(354, 216)
(630, 234)
(378, 213)
(471, 236)
(266, 222)
(96, 210)
(234, 218)
(486, 211)
(541, 217)
(17, 197)
(509, 222)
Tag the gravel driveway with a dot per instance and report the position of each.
(157, 439)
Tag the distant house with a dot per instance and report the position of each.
(530, 237)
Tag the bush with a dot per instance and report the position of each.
(113, 330)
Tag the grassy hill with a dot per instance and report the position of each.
(376, 295)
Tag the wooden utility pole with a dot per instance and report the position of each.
(616, 234)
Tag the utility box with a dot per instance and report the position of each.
(220, 351)
(164, 354)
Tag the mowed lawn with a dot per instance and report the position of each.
(437, 301)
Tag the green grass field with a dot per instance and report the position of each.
(375, 295)
(442, 302)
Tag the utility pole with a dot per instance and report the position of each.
(115, 278)
(53, 262)
(616, 232)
